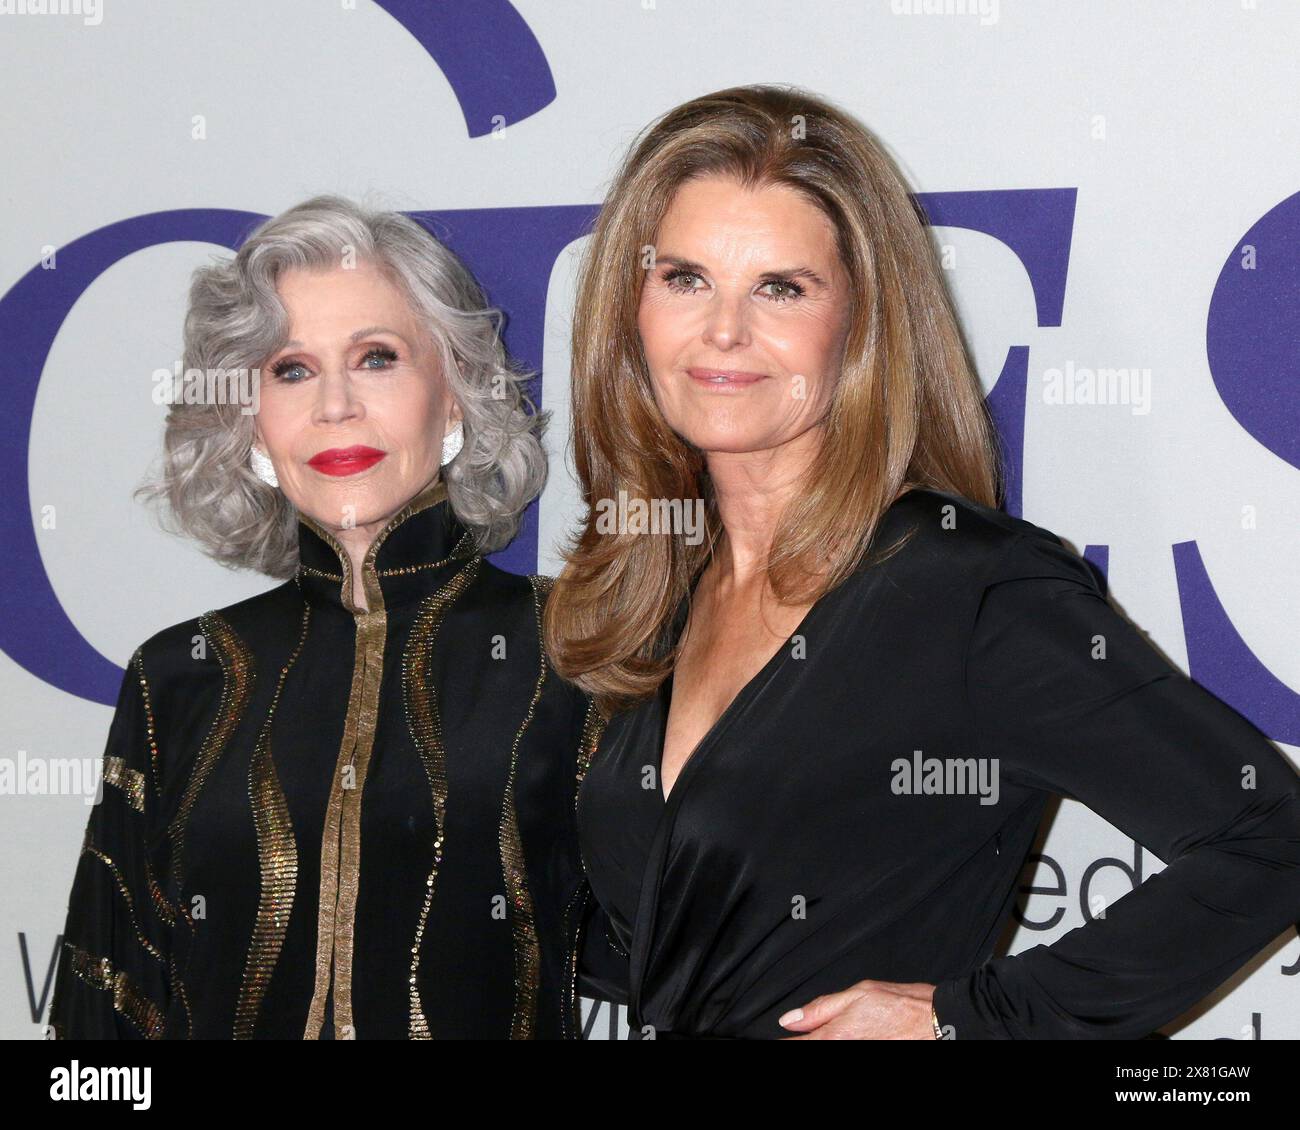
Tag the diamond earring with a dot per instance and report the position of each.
(452, 442)
(262, 466)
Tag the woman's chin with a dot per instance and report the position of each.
(733, 441)
(355, 500)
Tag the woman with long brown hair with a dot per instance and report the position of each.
(835, 719)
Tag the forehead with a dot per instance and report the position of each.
(724, 217)
(317, 292)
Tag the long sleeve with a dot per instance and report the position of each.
(111, 981)
(602, 967)
(1071, 699)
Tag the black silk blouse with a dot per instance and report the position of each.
(323, 822)
(863, 808)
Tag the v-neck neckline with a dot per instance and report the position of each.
(750, 688)
(665, 815)
(746, 693)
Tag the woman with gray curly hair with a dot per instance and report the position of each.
(343, 808)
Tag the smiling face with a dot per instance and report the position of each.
(354, 407)
(744, 316)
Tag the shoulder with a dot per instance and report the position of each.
(513, 605)
(490, 599)
(526, 595)
(958, 541)
(941, 517)
(234, 631)
(503, 591)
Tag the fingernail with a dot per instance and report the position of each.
(791, 1016)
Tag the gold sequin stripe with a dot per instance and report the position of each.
(309, 571)
(340, 841)
(522, 922)
(372, 629)
(164, 909)
(88, 848)
(128, 1000)
(278, 857)
(130, 781)
(327, 908)
(570, 1011)
(371, 633)
(178, 991)
(169, 915)
(425, 724)
(150, 730)
(542, 583)
(433, 494)
(464, 548)
(161, 905)
(592, 728)
(237, 678)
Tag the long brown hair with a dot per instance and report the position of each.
(907, 409)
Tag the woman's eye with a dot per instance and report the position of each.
(786, 289)
(291, 372)
(384, 357)
(681, 280)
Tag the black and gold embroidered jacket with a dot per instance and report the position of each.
(324, 822)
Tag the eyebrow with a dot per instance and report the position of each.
(767, 276)
(357, 337)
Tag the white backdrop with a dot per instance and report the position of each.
(1175, 123)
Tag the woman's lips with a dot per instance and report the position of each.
(345, 460)
(725, 379)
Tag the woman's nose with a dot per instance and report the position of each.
(336, 398)
(725, 323)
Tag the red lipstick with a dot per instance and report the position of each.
(346, 460)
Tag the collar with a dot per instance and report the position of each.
(415, 551)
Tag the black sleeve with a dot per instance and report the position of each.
(1072, 699)
(111, 979)
(602, 965)
(603, 968)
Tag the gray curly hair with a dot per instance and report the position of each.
(235, 320)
